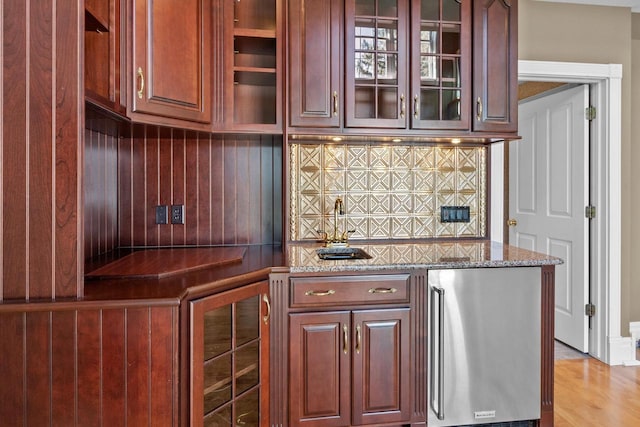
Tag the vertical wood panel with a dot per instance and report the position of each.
(218, 202)
(192, 188)
(14, 150)
(125, 176)
(164, 169)
(152, 187)
(89, 367)
(113, 368)
(163, 367)
(12, 392)
(38, 364)
(40, 187)
(230, 191)
(63, 368)
(138, 369)
(203, 231)
(227, 184)
(178, 181)
(69, 124)
(139, 195)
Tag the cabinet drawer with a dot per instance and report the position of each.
(337, 290)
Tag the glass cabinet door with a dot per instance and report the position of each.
(440, 73)
(229, 347)
(376, 61)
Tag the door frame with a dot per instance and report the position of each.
(605, 80)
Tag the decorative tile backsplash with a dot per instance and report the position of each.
(389, 191)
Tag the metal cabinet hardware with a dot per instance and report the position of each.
(403, 106)
(345, 339)
(383, 290)
(358, 339)
(335, 103)
(141, 86)
(320, 293)
(266, 317)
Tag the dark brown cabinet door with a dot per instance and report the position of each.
(376, 63)
(229, 358)
(441, 64)
(381, 360)
(315, 34)
(319, 369)
(170, 69)
(495, 44)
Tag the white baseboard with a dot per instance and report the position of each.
(621, 350)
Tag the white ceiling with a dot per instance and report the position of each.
(633, 4)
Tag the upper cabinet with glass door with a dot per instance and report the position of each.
(408, 63)
(376, 63)
(441, 64)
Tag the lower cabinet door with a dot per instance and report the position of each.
(349, 368)
(319, 369)
(381, 366)
(229, 355)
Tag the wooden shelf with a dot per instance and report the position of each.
(251, 32)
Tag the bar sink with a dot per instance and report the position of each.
(342, 253)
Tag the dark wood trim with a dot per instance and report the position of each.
(279, 371)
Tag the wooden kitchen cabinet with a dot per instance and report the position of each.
(349, 350)
(102, 54)
(169, 72)
(252, 65)
(495, 53)
(229, 348)
(348, 368)
(315, 47)
(446, 66)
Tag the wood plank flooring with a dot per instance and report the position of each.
(591, 393)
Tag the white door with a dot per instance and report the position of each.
(548, 192)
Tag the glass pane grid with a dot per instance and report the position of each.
(440, 79)
(376, 59)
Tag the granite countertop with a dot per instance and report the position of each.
(257, 262)
(302, 258)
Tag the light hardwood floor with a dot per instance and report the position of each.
(591, 393)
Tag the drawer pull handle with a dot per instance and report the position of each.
(141, 86)
(266, 317)
(383, 290)
(335, 103)
(320, 293)
(358, 339)
(345, 339)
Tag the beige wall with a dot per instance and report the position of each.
(634, 309)
(595, 34)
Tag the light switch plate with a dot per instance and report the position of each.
(161, 214)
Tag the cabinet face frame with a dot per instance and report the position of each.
(197, 310)
(146, 86)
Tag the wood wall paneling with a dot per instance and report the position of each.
(89, 366)
(40, 122)
(230, 187)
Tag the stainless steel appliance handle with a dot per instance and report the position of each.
(440, 336)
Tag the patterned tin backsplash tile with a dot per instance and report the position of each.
(389, 191)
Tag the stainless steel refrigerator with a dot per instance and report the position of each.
(484, 345)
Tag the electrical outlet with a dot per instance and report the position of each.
(161, 214)
(177, 214)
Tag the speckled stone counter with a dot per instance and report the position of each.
(302, 258)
